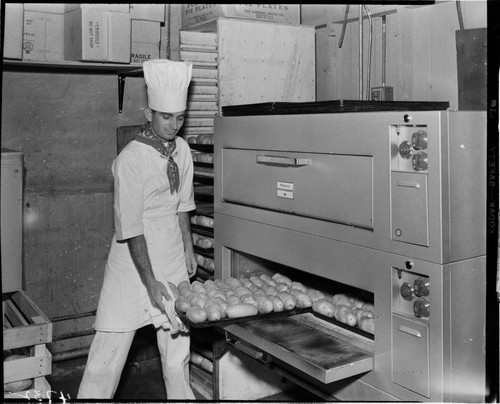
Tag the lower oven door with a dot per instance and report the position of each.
(324, 351)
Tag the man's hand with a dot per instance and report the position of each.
(157, 292)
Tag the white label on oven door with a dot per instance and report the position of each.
(284, 194)
(288, 186)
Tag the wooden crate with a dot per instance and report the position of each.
(26, 331)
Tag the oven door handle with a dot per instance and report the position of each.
(410, 331)
(282, 160)
(408, 184)
(248, 350)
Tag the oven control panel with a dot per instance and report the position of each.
(409, 188)
(409, 148)
(411, 294)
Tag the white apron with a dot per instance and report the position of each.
(144, 205)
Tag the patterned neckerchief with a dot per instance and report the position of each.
(148, 136)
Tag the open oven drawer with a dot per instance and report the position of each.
(306, 343)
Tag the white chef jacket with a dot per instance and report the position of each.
(143, 204)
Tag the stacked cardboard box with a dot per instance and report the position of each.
(145, 41)
(13, 35)
(75, 32)
(43, 31)
(97, 32)
(149, 12)
(146, 22)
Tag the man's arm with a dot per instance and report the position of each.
(139, 252)
(185, 225)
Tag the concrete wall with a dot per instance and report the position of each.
(65, 125)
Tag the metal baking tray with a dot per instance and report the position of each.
(209, 252)
(202, 230)
(228, 321)
(205, 209)
(307, 345)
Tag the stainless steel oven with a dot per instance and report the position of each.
(388, 205)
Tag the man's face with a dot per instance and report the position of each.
(166, 125)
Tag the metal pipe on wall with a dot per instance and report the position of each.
(344, 26)
(360, 21)
(169, 36)
(460, 18)
(384, 45)
(370, 40)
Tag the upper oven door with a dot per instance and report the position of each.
(392, 181)
(325, 186)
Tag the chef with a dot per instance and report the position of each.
(152, 244)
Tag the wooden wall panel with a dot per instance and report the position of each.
(277, 63)
(421, 50)
(322, 65)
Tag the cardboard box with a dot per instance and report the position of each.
(13, 36)
(197, 14)
(145, 31)
(150, 12)
(119, 27)
(142, 51)
(43, 37)
(54, 8)
(97, 35)
(119, 8)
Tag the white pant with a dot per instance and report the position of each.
(109, 351)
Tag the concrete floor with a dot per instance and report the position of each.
(142, 377)
(142, 381)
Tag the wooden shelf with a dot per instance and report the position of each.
(73, 65)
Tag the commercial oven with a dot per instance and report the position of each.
(386, 203)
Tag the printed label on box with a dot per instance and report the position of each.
(140, 52)
(43, 37)
(85, 33)
(196, 14)
(34, 36)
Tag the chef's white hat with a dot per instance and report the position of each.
(167, 84)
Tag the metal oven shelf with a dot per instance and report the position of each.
(321, 350)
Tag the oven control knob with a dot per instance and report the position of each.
(405, 149)
(421, 308)
(419, 161)
(421, 287)
(419, 140)
(406, 291)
